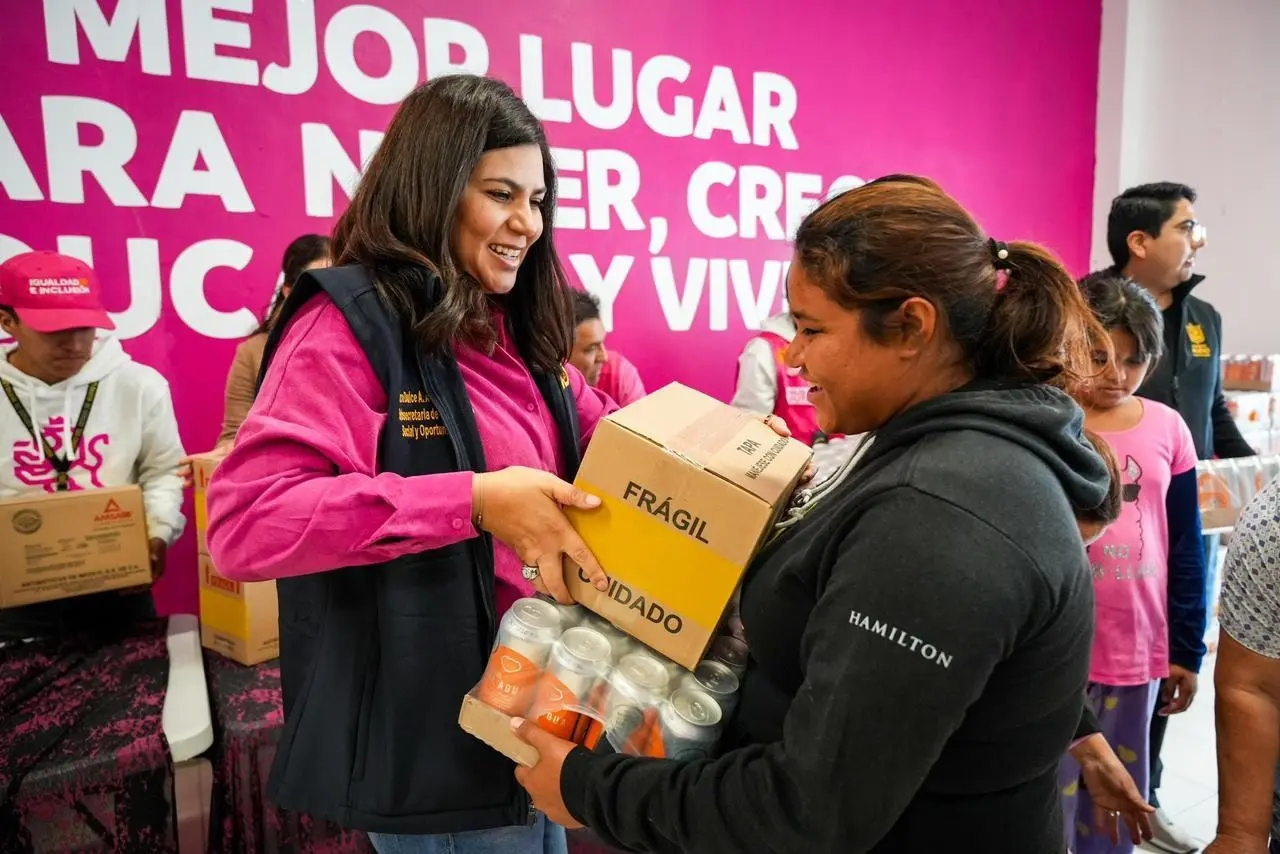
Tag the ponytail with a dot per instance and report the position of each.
(1039, 329)
(1013, 310)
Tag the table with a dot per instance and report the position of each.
(248, 719)
(83, 761)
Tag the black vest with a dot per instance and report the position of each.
(375, 660)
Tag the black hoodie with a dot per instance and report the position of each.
(919, 650)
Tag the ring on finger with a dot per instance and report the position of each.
(530, 572)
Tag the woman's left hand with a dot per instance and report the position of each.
(777, 425)
(542, 781)
(1115, 795)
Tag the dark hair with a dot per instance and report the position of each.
(1121, 303)
(298, 256)
(399, 223)
(1108, 511)
(873, 247)
(1144, 208)
(585, 307)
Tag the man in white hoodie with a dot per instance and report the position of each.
(765, 384)
(77, 413)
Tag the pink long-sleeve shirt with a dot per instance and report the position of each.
(301, 491)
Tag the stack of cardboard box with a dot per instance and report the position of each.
(237, 619)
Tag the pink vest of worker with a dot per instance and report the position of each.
(791, 403)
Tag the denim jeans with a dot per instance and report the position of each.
(543, 837)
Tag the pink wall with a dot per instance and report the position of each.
(993, 98)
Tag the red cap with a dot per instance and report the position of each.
(52, 292)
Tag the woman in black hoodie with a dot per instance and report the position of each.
(920, 638)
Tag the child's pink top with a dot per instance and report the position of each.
(1131, 560)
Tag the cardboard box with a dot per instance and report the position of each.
(53, 546)
(689, 489)
(240, 620)
(494, 729)
(202, 466)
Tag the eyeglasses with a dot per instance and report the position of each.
(1196, 231)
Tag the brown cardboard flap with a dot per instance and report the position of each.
(494, 729)
(669, 412)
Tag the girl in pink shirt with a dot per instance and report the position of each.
(1148, 567)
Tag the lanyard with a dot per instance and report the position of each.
(61, 464)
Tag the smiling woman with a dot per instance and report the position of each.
(920, 637)
(478, 223)
(423, 495)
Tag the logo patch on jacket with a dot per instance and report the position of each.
(418, 418)
(1199, 344)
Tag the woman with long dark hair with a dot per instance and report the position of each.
(920, 628)
(403, 470)
(308, 252)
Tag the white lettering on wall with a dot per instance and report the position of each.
(760, 199)
(110, 38)
(196, 138)
(679, 308)
(203, 32)
(188, 294)
(16, 178)
(755, 303)
(698, 199)
(722, 108)
(610, 189)
(70, 160)
(604, 286)
(325, 162)
(765, 200)
(772, 118)
(608, 196)
(711, 277)
(678, 121)
(301, 74)
(615, 113)
(532, 87)
(339, 52)
(568, 162)
(442, 36)
(145, 289)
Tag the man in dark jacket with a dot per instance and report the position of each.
(1153, 236)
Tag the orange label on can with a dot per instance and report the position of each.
(654, 746)
(588, 732)
(509, 682)
(554, 699)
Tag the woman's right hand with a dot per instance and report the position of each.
(522, 508)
